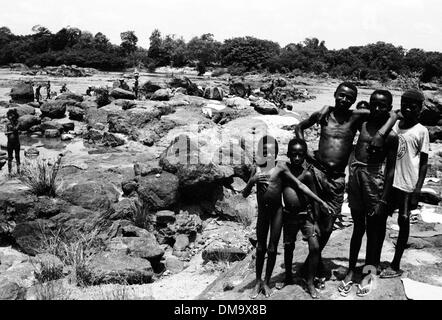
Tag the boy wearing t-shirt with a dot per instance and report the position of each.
(410, 170)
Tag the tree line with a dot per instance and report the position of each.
(378, 61)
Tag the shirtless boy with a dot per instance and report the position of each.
(299, 213)
(369, 189)
(13, 144)
(269, 177)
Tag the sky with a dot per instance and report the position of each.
(340, 23)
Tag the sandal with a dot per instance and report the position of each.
(390, 273)
(364, 290)
(345, 287)
(320, 283)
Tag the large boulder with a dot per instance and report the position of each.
(238, 103)
(10, 290)
(239, 89)
(118, 124)
(76, 113)
(213, 93)
(265, 107)
(119, 93)
(159, 191)
(435, 133)
(161, 95)
(112, 140)
(22, 109)
(145, 247)
(70, 96)
(22, 92)
(432, 111)
(51, 125)
(55, 109)
(93, 195)
(118, 267)
(27, 121)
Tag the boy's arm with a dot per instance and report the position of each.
(311, 185)
(248, 188)
(379, 138)
(302, 187)
(423, 167)
(392, 144)
(307, 123)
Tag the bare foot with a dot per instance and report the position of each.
(312, 290)
(257, 289)
(286, 282)
(266, 290)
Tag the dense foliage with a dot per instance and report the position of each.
(69, 46)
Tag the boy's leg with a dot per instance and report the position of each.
(17, 158)
(355, 246)
(10, 158)
(275, 233)
(404, 230)
(262, 228)
(290, 231)
(314, 253)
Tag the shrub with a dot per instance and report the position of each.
(41, 176)
(75, 252)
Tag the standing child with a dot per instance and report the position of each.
(48, 90)
(369, 187)
(37, 93)
(299, 213)
(410, 170)
(269, 178)
(13, 139)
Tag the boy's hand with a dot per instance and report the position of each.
(379, 209)
(317, 230)
(327, 208)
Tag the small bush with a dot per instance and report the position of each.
(48, 272)
(102, 97)
(141, 216)
(75, 252)
(53, 290)
(40, 176)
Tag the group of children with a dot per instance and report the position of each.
(387, 167)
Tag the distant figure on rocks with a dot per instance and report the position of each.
(268, 177)
(48, 90)
(13, 144)
(37, 93)
(89, 91)
(136, 86)
(63, 88)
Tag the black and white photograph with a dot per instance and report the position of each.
(233, 152)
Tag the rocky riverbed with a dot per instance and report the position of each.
(147, 203)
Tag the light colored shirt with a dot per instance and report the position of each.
(412, 142)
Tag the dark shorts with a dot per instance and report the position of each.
(13, 147)
(397, 199)
(293, 222)
(365, 186)
(330, 188)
